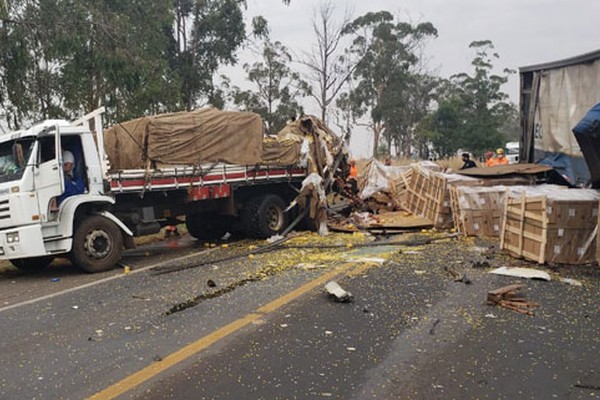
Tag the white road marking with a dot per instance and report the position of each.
(90, 284)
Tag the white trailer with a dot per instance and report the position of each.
(554, 97)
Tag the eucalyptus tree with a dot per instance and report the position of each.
(475, 114)
(276, 87)
(387, 51)
(64, 57)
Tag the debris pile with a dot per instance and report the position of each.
(377, 188)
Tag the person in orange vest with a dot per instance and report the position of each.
(500, 158)
(353, 170)
(353, 176)
(489, 158)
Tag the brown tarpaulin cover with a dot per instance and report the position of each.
(206, 135)
(280, 152)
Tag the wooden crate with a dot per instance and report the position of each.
(401, 185)
(478, 211)
(546, 226)
(429, 197)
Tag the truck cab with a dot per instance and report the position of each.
(34, 228)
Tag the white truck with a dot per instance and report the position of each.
(512, 152)
(93, 228)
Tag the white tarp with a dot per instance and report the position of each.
(565, 95)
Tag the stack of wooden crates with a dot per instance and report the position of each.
(549, 223)
(427, 194)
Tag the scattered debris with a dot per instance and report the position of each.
(336, 292)
(519, 272)
(274, 238)
(351, 348)
(572, 282)
(590, 387)
(507, 297)
(55, 280)
(310, 266)
(211, 283)
(435, 324)
(490, 315)
(480, 264)
(74, 307)
(458, 277)
(374, 260)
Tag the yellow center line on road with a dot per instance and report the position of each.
(143, 375)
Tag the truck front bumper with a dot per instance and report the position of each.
(22, 242)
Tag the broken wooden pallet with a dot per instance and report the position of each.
(509, 298)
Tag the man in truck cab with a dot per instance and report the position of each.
(73, 184)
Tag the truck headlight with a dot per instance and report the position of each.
(12, 237)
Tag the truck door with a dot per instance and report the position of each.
(48, 180)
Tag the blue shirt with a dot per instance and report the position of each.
(73, 186)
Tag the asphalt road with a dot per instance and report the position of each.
(411, 332)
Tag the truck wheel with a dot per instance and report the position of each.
(32, 263)
(208, 227)
(263, 216)
(97, 244)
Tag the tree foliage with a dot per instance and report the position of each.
(474, 113)
(217, 30)
(385, 74)
(60, 58)
(276, 87)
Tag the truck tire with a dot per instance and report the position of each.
(32, 263)
(97, 244)
(208, 227)
(263, 216)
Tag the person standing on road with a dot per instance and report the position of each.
(467, 162)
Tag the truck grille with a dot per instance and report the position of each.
(4, 209)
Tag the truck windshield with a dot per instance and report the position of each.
(10, 170)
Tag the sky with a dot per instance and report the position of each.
(524, 32)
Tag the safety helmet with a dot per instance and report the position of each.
(500, 151)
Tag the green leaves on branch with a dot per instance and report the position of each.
(276, 88)
(474, 113)
(61, 58)
(388, 85)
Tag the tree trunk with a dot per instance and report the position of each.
(377, 129)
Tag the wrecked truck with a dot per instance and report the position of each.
(212, 168)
